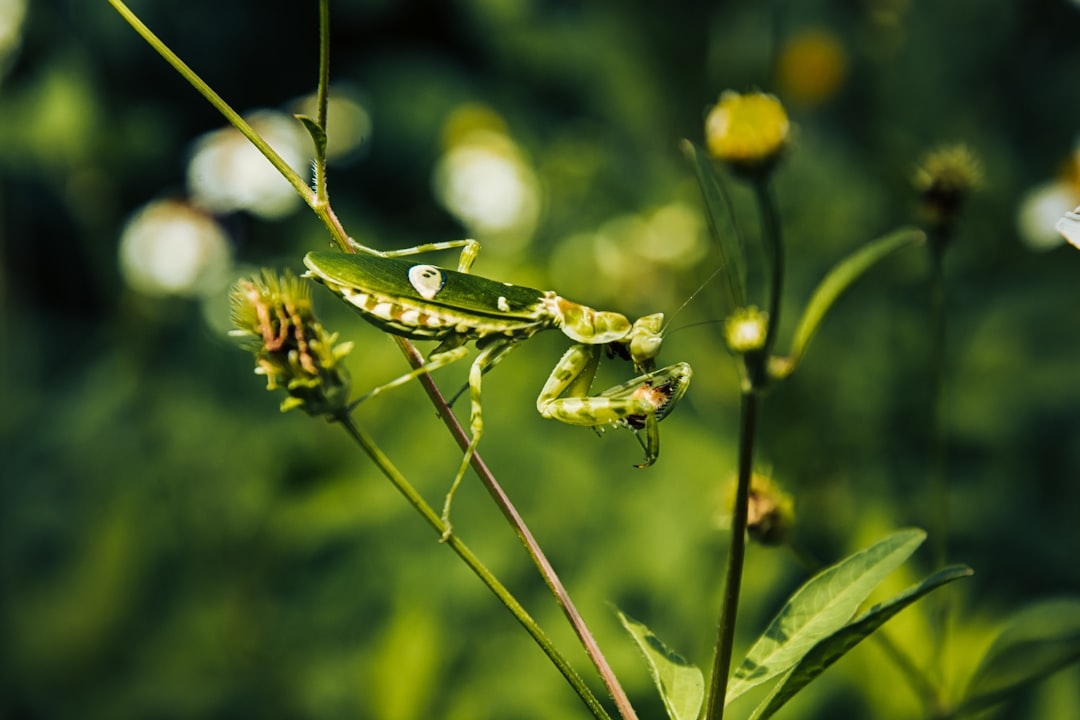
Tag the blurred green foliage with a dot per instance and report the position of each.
(171, 546)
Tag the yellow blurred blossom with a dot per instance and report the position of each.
(811, 67)
(749, 131)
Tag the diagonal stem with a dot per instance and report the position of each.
(505, 597)
(502, 501)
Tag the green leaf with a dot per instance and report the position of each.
(1037, 642)
(837, 281)
(722, 224)
(318, 136)
(681, 685)
(835, 646)
(819, 608)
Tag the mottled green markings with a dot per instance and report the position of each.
(486, 302)
(425, 302)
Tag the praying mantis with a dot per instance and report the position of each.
(425, 302)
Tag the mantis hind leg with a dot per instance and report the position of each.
(487, 359)
(469, 250)
(435, 361)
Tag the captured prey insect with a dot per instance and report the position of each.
(424, 302)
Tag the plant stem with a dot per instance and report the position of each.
(322, 93)
(505, 597)
(941, 609)
(757, 376)
(502, 501)
(725, 638)
(774, 247)
(939, 490)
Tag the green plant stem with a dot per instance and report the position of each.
(941, 610)
(939, 490)
(322, 95)
(234, 118)
(505, 597)
(774, 246)
(757, 375)
(502, 501)
(725, 638)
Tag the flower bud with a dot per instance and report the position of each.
(748, 131)
(275, 317)
(745, 330)
(770, 516)
(944, 179)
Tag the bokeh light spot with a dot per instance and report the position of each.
(811, 67)
(171, 248)
(227, 173)
(12, 16)
(486, 183)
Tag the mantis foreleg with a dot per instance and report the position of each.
(637, 404)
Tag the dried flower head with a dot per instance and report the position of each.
(944, 179)
(748, 131)
(770, 510)
(275, 317)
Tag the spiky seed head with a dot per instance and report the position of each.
(275, 318)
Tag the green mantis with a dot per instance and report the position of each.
(425, 302)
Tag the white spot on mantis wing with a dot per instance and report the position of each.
(427, 280)
(503, 304)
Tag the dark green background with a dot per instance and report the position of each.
(171, 546)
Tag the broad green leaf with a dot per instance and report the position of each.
(819, 608)
(835, 646)
(722, 224)
(837, 281)
(1037, 642)
(681, 685)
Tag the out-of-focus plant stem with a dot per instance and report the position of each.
(505, 597)
(725, 638)
(757, 374)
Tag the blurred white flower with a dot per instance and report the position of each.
(1039, 217)
(227, 173)
(1040, 209)
(169, 247)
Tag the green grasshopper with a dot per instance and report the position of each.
(424, 302)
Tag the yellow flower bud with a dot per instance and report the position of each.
(748, 131)
(770, 517)
(944, 179)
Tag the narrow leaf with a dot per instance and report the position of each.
(835, 646)
(681, 685)
(722, 224)
(837, 281)
(318, 135)
(819, 608)
(1037, 642)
